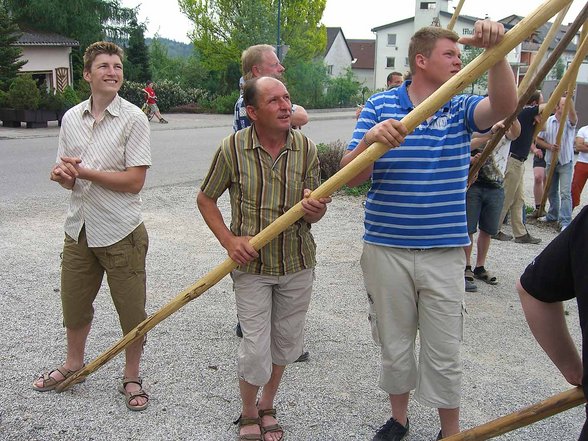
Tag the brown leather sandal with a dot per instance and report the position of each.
(245, 421)
(50, 383)
(129, 396)
(272, 427)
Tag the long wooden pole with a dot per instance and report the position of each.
(529, 415)
(531, 86)
(427, 108)
(455, 15)
(561, 86)
(558, 138)
(523, 85)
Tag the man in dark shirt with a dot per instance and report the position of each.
(514, 192)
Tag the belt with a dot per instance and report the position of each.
(517, 157)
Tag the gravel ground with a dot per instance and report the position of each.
(189, 362)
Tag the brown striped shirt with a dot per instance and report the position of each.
(261, 190)
(120, 140)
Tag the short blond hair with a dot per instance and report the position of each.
(252, 56)
(99, 48)
(423, 41)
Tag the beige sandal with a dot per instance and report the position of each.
(50, 383)
(129, 396)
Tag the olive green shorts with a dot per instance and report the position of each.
(82, 270)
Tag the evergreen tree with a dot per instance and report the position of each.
(137, 54)
(9, 54)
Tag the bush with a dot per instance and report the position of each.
(169, 94)
(224, 103)
(51, 101)
(24, 94)
(3, 99)
(70, 97)
(330, 157)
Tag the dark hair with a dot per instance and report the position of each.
(391, 74)
(250, 92)
(149, 82)
(535, 97)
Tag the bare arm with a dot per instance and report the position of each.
(390, 132)
(502, 92)
(130, 180)
(581, 145)
(548, 325)
(238, 247)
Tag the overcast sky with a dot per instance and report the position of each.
(165, 18)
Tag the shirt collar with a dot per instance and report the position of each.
(405, 101)
(290, 144)
(113, 108)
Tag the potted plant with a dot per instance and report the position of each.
(7, 114)
(24, 96)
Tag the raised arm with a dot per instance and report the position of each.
(502, 92)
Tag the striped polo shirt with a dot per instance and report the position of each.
(417, 195)
(120, 140)
(261, 190)
(549, 134)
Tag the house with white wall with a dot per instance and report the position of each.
(48, 57)
(338, 57)
(392, 39)
(363, 52)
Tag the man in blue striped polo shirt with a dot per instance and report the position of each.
(415, 221)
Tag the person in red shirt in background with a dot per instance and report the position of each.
(151, 101)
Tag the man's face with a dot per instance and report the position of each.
(270, 66)
(443, 63)
(105, 75)
(395, 81)
(274, 108)
(559, 108)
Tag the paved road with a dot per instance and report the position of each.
(182, 150)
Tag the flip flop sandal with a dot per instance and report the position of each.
(244, 421)
(129, 396)
(272, 427)
(50, 383)
(485, 276)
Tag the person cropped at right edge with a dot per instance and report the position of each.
(581, 167)
(559, 274)
(560, 191)
(415, 222)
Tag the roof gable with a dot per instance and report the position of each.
(364, 52)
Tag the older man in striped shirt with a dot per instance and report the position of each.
(415, 222)
(103, 156)
(267, 169)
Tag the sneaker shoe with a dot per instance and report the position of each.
(563, 227)
(527, 238)
(502, 236)
(162, 121)
(535, 214)
(470, 286)
(391, 431)
(304, 357)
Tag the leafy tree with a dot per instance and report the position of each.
(224, 28)
(468, 55)
(84, 20)
(137, 54)
(9, 54)
(307, 82)
(343, 90)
